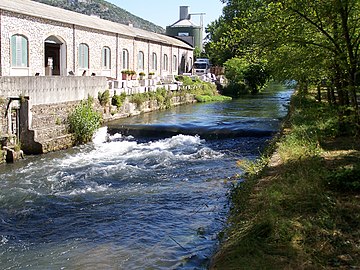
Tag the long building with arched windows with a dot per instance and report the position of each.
(38, 39)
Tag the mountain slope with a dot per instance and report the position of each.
(106, 11)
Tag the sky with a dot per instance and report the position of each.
(166, 12)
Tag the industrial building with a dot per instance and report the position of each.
(184, 29)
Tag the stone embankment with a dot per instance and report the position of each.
(49, 122)
(34, 110)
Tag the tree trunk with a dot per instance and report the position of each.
(319, 92)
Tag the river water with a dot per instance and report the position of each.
(150, 192)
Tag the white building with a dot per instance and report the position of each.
(38, 39)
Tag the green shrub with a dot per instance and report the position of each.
(345, 179)
(207, 98)
(138, 99)
(160, 100)
(104, 97)
(245, 76)
(152, 95)
(84, 121)
(17, 147)
(118, 100)
(204, 88)
(163, 98)
(186, 80)
(167, 101)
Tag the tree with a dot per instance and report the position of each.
(244, 77)
(306, 40)
(84, 121)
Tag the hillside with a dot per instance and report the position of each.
(106, 11)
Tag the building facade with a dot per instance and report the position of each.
(40, 40)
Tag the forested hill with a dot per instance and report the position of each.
(104, 10)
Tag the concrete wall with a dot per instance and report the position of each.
(50, 90)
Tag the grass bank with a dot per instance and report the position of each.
(300, 207)
(203, 91)
(209, 98)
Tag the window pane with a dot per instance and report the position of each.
(106, 58)
(141, 60)
(83, 56)
(19, 51)
(175, 63)
(154, 61)
(13, 51)
(125, 59)
(24, 55)
(86, 56)
(166, 65)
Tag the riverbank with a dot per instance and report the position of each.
(301, 210)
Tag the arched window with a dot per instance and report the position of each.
(154, 61)
(106, 58)
(141, 60)
(19, 51)
(175, 64)
(125, 59)
(166, 62)
(83, 56)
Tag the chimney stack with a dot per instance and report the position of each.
(184, 13)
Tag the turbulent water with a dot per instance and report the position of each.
(148, 193)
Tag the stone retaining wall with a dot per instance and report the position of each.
(44, 103)
(3, 119)
(50, 131)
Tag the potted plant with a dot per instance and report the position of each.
(133, 74)
(125, 74)
(151, 74)
(142, 75)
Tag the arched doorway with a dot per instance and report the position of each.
(55, 56)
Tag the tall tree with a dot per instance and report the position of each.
(306, 40)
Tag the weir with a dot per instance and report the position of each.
(166, 130)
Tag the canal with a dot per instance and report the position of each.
(150, 192)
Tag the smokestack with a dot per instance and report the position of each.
(184, 12)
